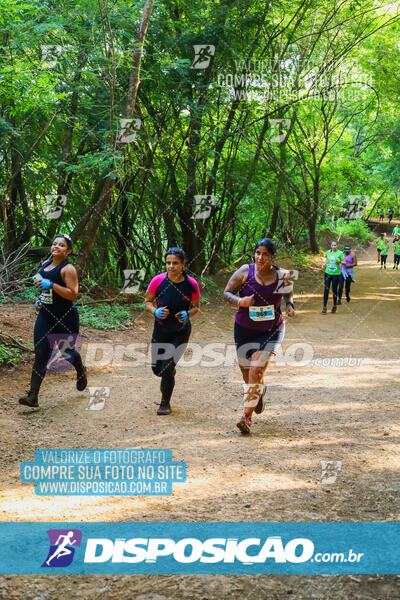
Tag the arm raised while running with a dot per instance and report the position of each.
(238, 279)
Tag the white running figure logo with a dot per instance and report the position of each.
(62, 550)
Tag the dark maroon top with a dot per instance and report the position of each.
(264, 295)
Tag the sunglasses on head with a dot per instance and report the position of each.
(64, 235)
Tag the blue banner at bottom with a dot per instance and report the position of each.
(202, 548)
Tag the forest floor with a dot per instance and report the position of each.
(314, 413)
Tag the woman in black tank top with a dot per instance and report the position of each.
(57, 323)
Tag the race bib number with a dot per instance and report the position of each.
(332, 265)
(46, 297)
(262, 313)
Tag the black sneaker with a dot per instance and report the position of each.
(348, 299)
(81, 380)
(164, 408)
(339, 302)
(30, 399)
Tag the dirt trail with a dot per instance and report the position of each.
(314, 413)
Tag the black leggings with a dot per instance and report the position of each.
(342, 281)
(335, 281)
(383, 259)
(167, 348)
(396, 259)
(50, 331)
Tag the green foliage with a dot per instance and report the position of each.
(58, 127)
(25, 296)
(210, 287)
(356, 229)
(105, 316)
(9, 355)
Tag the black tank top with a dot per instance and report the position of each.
(50, 300)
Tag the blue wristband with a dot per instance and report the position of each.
(46, 284)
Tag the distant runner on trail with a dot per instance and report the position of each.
(331, 268)
(256, 289)
(396, 230)
(57, 314)
(396, 253)
(390, 214)
(379, 245)
(347, 272)
(177, 298)
(384, 252)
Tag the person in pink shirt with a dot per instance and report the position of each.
(172, 298)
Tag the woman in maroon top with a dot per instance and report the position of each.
(256, 289)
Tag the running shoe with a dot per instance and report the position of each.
(323, 311)
(261, 402)
(244, 424)
(164, 408)
(333, 308)
(81, 380)
(339, 302)
(348, 298)
(30, 399)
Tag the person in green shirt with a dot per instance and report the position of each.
(331, 268)
(379, 243)
(384, 252)
(396, 230)
(396, 252)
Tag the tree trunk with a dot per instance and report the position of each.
(311, 224)
(109, 182)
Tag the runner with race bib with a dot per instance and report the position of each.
(384, 252)
(331, 267)
(396, 253)
(256, 290)
(379, 245)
